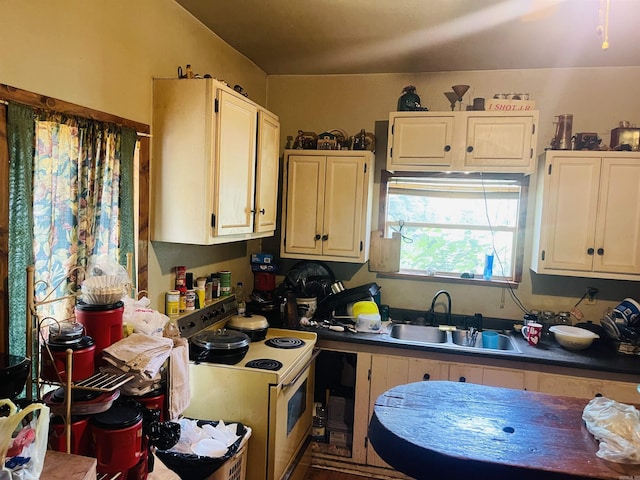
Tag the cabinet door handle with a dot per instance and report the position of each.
(317, 237)
(325, 237)
(426, 377)
(601, 251)
(590, 251)
(462, 379)
(447, 148)
(262, 211)
(469, 149)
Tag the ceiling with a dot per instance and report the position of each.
(313, 37)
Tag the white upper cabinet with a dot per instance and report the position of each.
(587, 220)
(327, 205)
(212, 151)
(462, 141)
(268, 160)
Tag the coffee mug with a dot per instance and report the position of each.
(490, 339)
(532, 332)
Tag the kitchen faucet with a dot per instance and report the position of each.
(431, 314)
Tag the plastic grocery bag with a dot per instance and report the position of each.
(617, 427)
(23, 442)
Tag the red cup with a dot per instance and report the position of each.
(532, 331)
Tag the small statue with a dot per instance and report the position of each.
(360, 141)
(409, 101)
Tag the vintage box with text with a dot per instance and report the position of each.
(504, 105)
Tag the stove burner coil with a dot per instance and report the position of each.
(284, 342)
(265, 364)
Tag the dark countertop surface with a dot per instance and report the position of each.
(600, 356)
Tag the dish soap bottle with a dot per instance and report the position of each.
(242, 305)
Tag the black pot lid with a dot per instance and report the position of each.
(73, 343)
(64, 331)
(90, 307)
(77, 395)
(221, 339)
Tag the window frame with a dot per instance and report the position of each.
(518, 259)
(43, 102)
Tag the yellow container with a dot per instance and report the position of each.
(364, 307)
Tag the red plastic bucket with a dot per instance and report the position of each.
(117, 438)
(154, 401)
(80, 436)
(102, 322)
(83, 365)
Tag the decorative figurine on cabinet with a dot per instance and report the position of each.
(409, 101)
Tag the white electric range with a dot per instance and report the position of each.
(270, 390)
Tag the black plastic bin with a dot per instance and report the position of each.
(196, 467)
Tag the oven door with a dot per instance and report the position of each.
(290, 418)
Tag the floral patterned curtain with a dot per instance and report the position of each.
(76, 178)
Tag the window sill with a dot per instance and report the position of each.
(410, 275)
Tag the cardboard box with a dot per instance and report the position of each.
(503, 105)
(262, 258)
(340, 438)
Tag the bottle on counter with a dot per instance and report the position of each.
(319, 427)
(240, 298)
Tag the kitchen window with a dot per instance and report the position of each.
(450, 222)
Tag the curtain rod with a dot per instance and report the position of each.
(139, 134)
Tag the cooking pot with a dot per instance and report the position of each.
(254, 326)
(269, 309)
(14, 371)
(219, 346)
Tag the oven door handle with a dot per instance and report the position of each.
(316, 352)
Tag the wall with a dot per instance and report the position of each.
(103, 54)
(597, 97)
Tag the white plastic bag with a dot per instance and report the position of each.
(617, 427)
(23, 446)
(143, 319)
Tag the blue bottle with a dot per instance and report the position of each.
(488, 266)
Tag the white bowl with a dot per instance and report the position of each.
(573, 338)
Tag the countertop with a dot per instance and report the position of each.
(486, 432)
(600, 356)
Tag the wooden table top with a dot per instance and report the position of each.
(451, 430)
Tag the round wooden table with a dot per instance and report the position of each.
(452, 430)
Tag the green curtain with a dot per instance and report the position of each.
(128, 141)
(20, 135)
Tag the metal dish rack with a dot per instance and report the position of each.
(99, 382)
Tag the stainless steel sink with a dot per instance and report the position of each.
(465, 339)
(418, 333)
(453, 339)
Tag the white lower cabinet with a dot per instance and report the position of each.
(584, 387)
